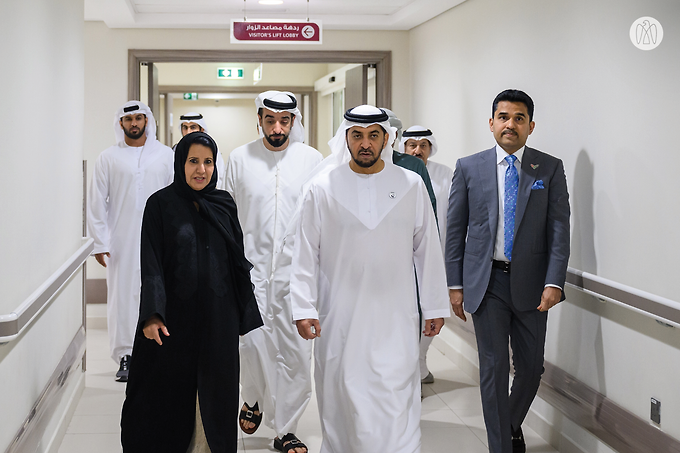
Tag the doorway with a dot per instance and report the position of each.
(368, 81)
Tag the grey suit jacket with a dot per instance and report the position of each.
(540, 250)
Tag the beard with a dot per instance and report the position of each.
(134, 136)
(276, 142)
(365, 163)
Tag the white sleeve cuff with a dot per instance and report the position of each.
(305, 314)
(552, 286)
(439, 313)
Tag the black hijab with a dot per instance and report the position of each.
(219, 209)
(181, 153)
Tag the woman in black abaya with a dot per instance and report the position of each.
(196, 300)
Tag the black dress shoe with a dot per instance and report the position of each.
(518, 444)
(429, 379)
(124, 369)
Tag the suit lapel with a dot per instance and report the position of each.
(527, 177)
(489, 177)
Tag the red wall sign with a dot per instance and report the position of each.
(270, 32)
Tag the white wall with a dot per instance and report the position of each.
(230, 122)
(325, 132)
(608, 110)
(41, 191)
(273, 74)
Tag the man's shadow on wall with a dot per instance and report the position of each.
(580, 331)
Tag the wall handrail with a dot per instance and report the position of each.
(13, 324)
(647, 304)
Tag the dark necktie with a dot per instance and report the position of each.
(511, 185)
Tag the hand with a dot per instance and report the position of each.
(151, 328)
(308, 328)
(100, 258)
(551, 296)
(456, 298)
(433, 327)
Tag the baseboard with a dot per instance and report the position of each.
(67, 376)
(553, 433)
(66, 416)
(96, 323)
(96, 316)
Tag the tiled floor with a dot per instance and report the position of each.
(451, 420)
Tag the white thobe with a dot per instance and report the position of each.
(275, 361)
(221, 172)
(357, 243)
(441, 177)
(123, 179)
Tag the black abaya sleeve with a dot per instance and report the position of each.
(153, 297)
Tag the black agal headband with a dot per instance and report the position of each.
(375, 118)
(191, 118)
(275, 105)
(425, 133)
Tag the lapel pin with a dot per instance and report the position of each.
(534, 166)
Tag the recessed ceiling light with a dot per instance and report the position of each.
(270, 2)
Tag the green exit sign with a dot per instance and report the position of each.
(229, 73)
(191, 96)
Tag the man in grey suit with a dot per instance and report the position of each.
(507, 248)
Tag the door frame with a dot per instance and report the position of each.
(380, 58)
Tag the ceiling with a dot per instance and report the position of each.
(334, 14)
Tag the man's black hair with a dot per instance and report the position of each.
(514, 96)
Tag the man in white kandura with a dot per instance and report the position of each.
(421, 143)
(364, 226)
(194, 122)
(265, 177)
(124, 176)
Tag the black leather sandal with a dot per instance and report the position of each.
(250, 416)
(291, 443)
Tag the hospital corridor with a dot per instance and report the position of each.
(324, 226)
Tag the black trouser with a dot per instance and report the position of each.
(497, 320)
